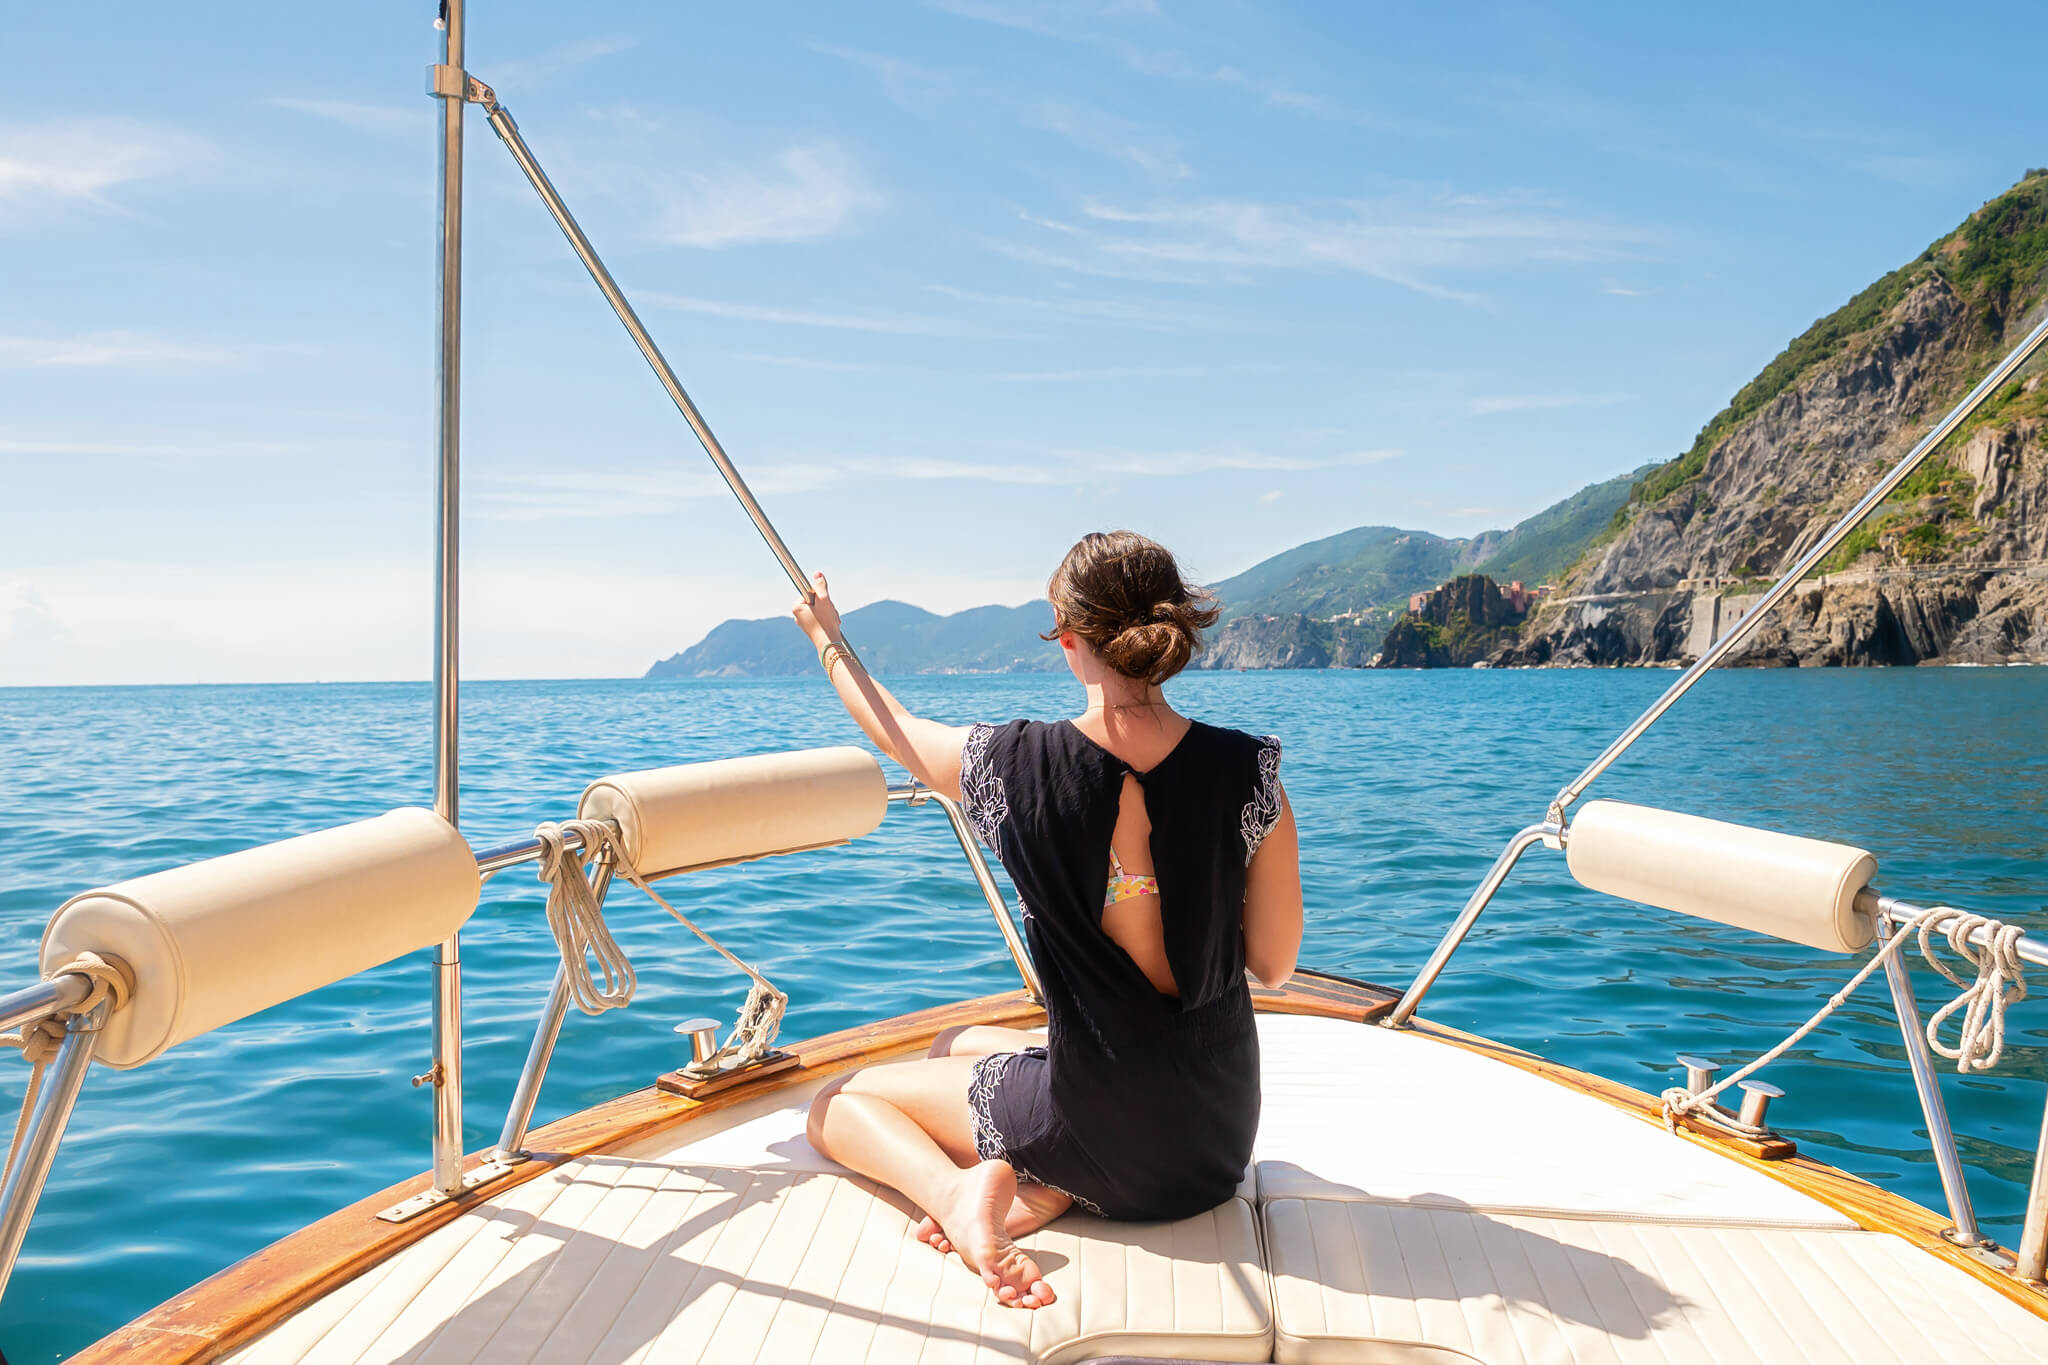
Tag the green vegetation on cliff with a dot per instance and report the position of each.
(1370, 566)
(1540, 549)
(1993, 261)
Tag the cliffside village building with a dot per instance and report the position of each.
(1517, 596)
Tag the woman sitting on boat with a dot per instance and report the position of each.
(1155, 861)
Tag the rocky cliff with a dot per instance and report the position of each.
(1291, 640)
(1459, 625)
(1952, 568)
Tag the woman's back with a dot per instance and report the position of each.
(1127, 1061)
(1141, 736)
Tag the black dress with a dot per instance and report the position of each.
(1142, 1106)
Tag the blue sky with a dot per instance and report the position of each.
(955, 282)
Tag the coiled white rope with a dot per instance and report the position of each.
(577, 921)
(2000, 980)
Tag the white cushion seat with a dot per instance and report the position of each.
(1361, 1283)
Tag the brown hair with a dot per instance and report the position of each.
(1124, 594)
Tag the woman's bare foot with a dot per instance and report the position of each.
(975, 1225)
(1032, 1209)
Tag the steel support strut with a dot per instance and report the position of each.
(45, 1130)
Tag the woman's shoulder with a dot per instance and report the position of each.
(1238, 743)
(1014, 738)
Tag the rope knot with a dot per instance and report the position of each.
(112, 982)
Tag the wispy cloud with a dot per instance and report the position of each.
(1177, 66)
(890, 324)
(85, 159)
(1107, 373)
(1413, 239)
(1179, 463)
(623, 493)
(907, 83)
(131, 351)
(1127, 312)
(1620, 290)
(1864, 151)
(1913, 172)
(803, 192)
(536, 69)
(385, 120)
(1071, 20)
(1129, 31)
(127, 447)
(547, 496)
(1110, 134)
(924, 89)
(810, 362)
(1541, 402)
(1072, 375)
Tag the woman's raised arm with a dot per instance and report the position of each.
(930, 750)
(1272, 903)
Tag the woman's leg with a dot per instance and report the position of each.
(982, 1040)
(908, 1126)
(1035, 1205)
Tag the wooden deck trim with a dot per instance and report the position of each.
(233, 1307)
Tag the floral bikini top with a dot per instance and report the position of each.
(1123, 886)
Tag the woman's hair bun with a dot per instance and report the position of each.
(1124, 595)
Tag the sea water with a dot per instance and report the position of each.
(1406, 785)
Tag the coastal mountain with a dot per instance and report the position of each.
(1953, 567)
(1329, 603)
(892, 637)
(1320, 605)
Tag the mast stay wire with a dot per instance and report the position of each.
(508, 132)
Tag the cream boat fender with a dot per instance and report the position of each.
(219, 940)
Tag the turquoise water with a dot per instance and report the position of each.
(1406, 785)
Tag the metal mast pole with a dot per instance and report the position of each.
(447, 1068)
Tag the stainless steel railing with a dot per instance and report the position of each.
(519, 1114)
(1892, 916)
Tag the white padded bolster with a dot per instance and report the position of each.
(219, 940)
(733, 809)
(1798, 889)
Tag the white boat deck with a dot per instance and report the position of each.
(1411, 1202)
